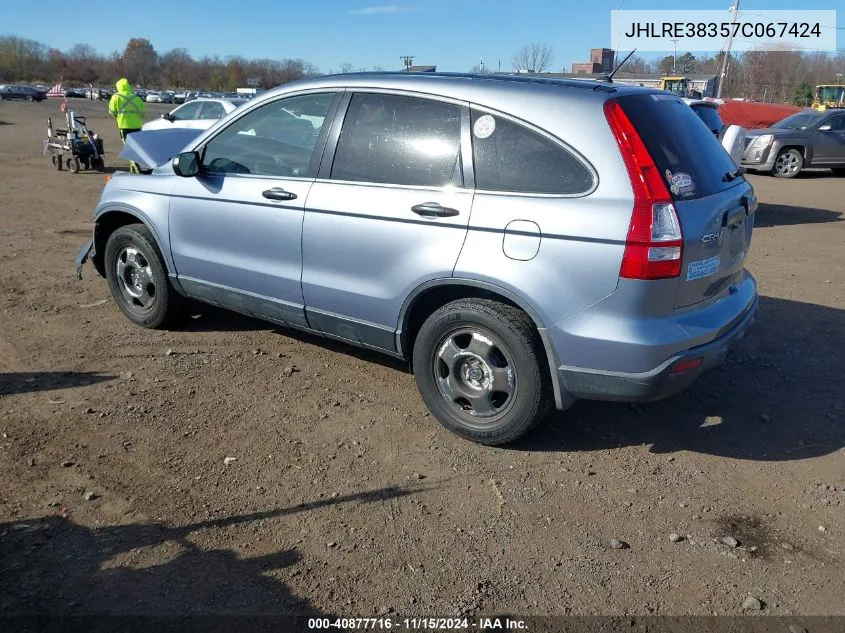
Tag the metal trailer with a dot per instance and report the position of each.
(76, 147)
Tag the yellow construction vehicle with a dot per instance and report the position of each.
(677, 84)
(828, 97)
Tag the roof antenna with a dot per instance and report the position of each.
(609, 78)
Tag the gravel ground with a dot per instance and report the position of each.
(231, 466)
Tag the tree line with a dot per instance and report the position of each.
(28, 61)
(781, 76)
(784, 76)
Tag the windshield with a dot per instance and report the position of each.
(799, 121)
(678, 86)
(832, 93)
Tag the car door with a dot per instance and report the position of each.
(388, 213)
(829, 143)
(236, 227)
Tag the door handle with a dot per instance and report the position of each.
(434, 210)
(277, 193)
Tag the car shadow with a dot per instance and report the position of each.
(769, 215)
(6, 123)
(778, 398)
(28, 382)
(107, 170)
(208, 318)
(53, 566)
(812, 174)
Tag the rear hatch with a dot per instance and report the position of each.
(715, 205)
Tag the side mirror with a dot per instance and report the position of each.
(166, 116)
(186, 164)
(824, 128)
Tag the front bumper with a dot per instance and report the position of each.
(759, 160)
(83, 256)
(660, 382)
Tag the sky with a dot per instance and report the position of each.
(454, 35)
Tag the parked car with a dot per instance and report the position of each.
(179, 96)
(732, 137)
(154, 97)
(519, 242)
(76, 93)
(199, 114)
(21, 93)
(805, 139)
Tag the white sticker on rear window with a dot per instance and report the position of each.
(680, 184)
(702, 268)
(484, 126)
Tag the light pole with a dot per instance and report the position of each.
(675, 57)
(735, 14)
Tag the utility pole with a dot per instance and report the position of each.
(735, 11)
(407, 60)
(675, 57)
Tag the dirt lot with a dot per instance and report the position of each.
(345, 497)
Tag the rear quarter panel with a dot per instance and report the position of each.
(581, 239)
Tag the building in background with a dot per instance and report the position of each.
(601, 61)
(419, 69)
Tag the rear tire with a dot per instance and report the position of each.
(138, 280)
(481, 370)
(788, 164)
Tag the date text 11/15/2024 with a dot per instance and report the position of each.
(417, 624)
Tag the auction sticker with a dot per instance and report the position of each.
(484, 126)
(703, 268)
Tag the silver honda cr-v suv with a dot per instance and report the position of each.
(520, 241)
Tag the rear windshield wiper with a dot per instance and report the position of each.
(733, 175)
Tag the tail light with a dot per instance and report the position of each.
(654, 248)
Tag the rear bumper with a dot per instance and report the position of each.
(661, 382)
(605, 353)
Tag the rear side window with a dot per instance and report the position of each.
(680, 144)
(510, 157)
(710, 116)
(399, 140)
(211, 110)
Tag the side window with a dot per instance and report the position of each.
(837, 124)
(399, 140)
(710, 116)
(211, 110)
(186, 112)
(510, 157)
(276, 139)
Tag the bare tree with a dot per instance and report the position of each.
(346, 68)
(479, 69)
(535, 58)
(636, 65)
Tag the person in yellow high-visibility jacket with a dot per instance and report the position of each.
(128, 110)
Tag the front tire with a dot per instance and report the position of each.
(788, 164)
(137, 277)
(481, 370)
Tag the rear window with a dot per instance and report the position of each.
(681, 145)
(710, 116)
